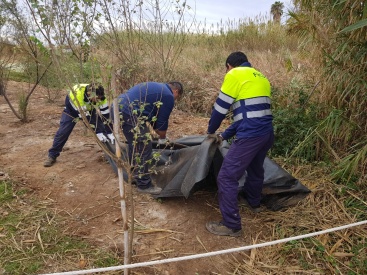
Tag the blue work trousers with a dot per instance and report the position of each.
(67, 123)
(140, 149)
(247, 154)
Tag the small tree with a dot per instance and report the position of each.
(30, 49)
(118, 27)
(149, 35)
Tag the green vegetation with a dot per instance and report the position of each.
(313, 255)
(293, 122)
(316, 63)
(337, 35)
(319, 61)
(17, 76)
(32, 237)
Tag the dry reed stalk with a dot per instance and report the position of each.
(154, 253)
(156, 230)
(201, 243)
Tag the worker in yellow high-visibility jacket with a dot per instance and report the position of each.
(85, 98)
(247, 92)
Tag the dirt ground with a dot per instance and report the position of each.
(84, 188)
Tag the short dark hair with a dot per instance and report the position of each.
(96, 88)
(177, 85)
(235, 59)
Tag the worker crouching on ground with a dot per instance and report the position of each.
(146, 102)
(90, 98)
(248, 92)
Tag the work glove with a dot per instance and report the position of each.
(163, 141)
(111, 137)
(87, 114)
(217, 138)
(102, 137)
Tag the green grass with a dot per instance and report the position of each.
(33, 241)
(312, 255)
(18, 76)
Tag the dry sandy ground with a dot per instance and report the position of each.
(83, 187)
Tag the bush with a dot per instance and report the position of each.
(294, 116)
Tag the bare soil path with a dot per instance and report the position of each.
(83, 187)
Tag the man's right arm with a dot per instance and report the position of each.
(223, 102)
(221, 108)
(161, 134)
(160, 125)
(162, 140)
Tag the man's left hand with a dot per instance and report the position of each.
(217, 138)
(102, 137)
(111, 137)
(163, 141)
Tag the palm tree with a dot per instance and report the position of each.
(277, 11)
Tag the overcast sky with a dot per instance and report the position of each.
(215, 10)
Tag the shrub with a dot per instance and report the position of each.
(294, 116)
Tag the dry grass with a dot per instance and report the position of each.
(33, 236)
(342, 252)
(40, 230)
(202, 72)
(201, 69)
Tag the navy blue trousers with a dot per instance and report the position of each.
(67, 123)
(140, 149)
(246, 154)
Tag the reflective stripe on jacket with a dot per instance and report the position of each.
(79, 96)
(247, 92)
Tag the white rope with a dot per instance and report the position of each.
(208, 254)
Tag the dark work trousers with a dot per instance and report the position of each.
(67, 123)
(140, 149)
(247, 154)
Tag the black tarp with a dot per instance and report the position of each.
(192, 163)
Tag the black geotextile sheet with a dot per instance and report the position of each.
(192, 163)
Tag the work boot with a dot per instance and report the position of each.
(254, 209)
(243, 201)
(218, 228)
(153, 190)
(49, 162)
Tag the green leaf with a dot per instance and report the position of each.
(355, 26)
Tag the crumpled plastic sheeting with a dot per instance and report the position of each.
(192, 163)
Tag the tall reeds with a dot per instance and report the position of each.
(342, 56)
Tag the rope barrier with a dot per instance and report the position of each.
(208, 254)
